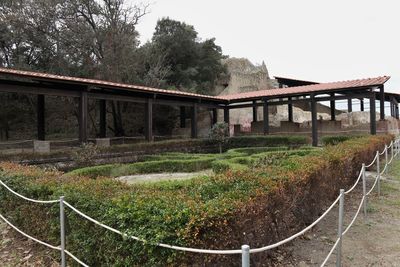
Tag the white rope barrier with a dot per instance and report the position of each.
(355, 184)
(28, 199)
(298, 234)
(355, 216)
(384, 169)
(373, 186)
(75, 258)
(221, 252)
(372, 163)
(28, 236)
(383, 152)
(330, 252)
(206, 251)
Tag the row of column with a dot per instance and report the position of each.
(148, 118)
(313, 105)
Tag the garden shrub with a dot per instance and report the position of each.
(336, 139)
(155, 166)
(255, 150)
(217, 212)
(266, 140)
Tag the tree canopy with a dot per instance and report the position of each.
(192, 64)
(99, 39)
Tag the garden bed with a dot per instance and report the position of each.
(258, 207)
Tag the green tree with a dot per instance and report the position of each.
(193, 65)
(220, 133)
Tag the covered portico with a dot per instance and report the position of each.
(291, 92)
(312, 93)
(42, 85)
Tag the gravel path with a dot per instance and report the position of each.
(372, 241)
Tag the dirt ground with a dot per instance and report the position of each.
(372, 241)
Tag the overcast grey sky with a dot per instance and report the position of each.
(316, 40)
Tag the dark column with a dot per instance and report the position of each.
(391, 109)
(290, 109)
(254, 111)
(314, 121)
(103, 121)
(382, 102)
(266, 116)
(362, 104)
(226, 115)
(214, 116)
(333, 107)
(349, 105)
(41, 130)
(194, 121)
(397, 111)
(372, 112)
(148, 117)
(83, 117)
(183, 117)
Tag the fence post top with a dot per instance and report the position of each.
(246, 247)
(62, 198)
(342, 190)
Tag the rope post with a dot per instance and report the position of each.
(386, 159)
(340, 230)
(245, 256)
(364, 190)
(378, 169)
(392, 152)
(62, 231)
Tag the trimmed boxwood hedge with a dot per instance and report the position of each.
(216, 212)
(179, 162)
(156, 166)
(181, 145)
(336, 139)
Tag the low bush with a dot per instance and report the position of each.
(336, 139)
(217, 212)
(255, 150)
(266, 141)
(155, 166)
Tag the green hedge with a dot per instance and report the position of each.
(266, 140)
(336, 139)
(207, 212)
(255, 150)
(156, 166)
(183, 145)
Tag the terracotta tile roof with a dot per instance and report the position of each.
(346, 85)
(240, 96)
(52, 77)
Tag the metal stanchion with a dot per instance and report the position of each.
(62, 231)
(364, 190)
(245, 256)
(386, 159)
(340, 230)
(378, 169)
